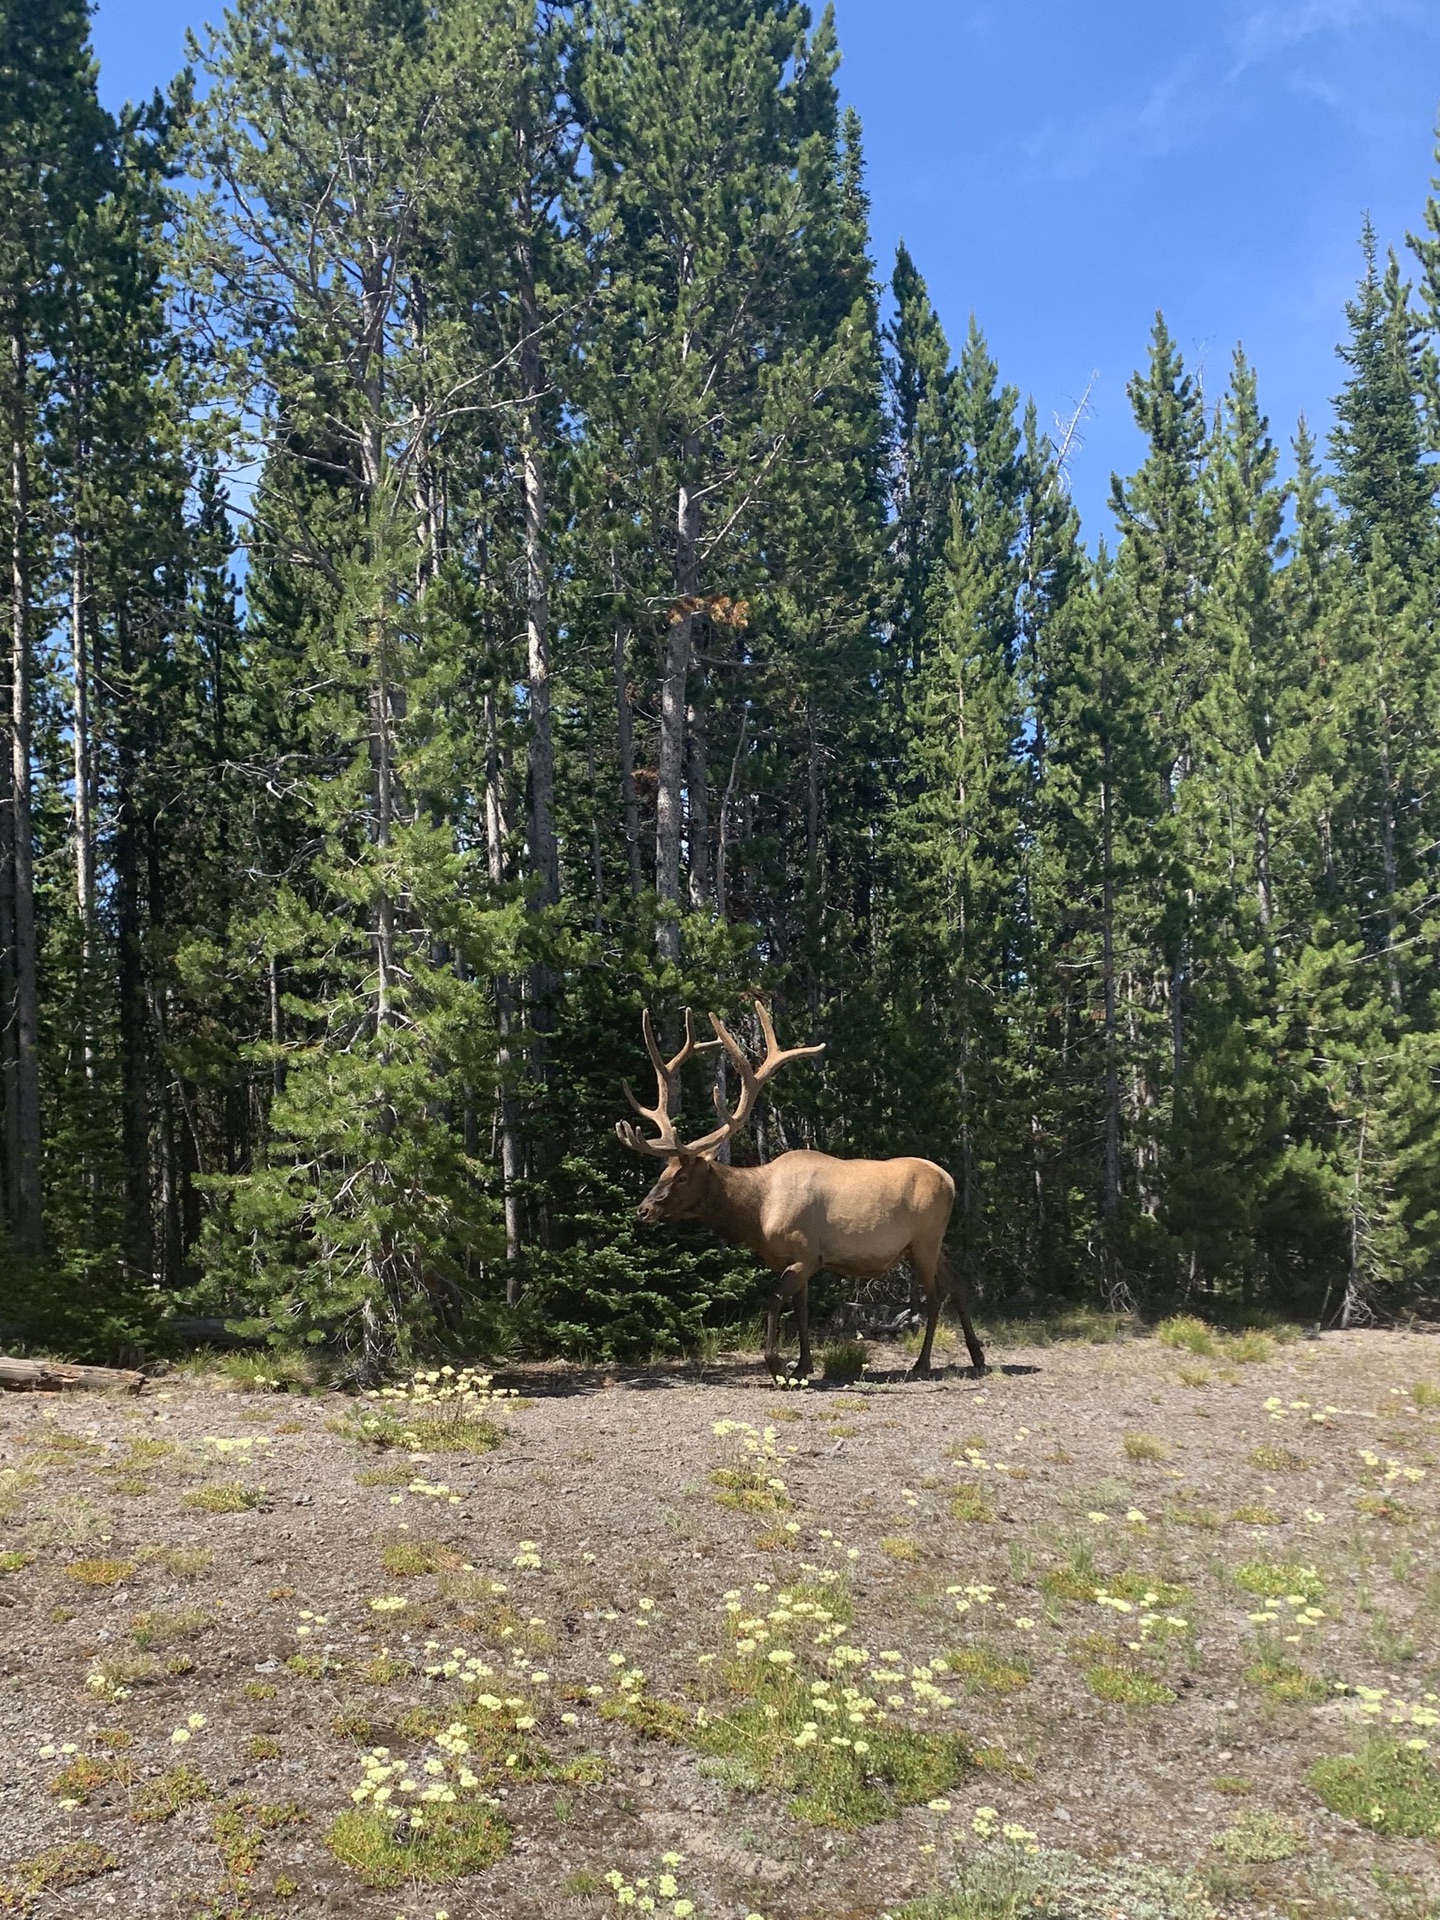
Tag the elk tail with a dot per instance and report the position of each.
(951, 1283)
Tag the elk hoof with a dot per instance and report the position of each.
(922, 1370)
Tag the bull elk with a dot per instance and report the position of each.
(802, 1211)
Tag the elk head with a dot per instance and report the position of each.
(679, 1193)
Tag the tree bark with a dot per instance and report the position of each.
(697, 792)
(511, 1158)
(81, 774)
(625, 735)
(1387, 856)
(130, 982)
(669, 811)
(544, 850)
(1112, 1062)
(26, 1220)
(722, 848)
(52, 1375)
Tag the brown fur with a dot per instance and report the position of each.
(805, 1211)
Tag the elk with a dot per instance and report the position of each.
(802, 1211)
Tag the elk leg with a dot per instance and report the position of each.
(802, 1325)
(921, 1368)
(791, 1283)
(955, 1287)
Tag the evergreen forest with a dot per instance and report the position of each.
(485, 552)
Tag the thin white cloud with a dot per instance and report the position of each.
(1158, 119)
(1273, 29)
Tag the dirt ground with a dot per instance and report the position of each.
(245, 1649)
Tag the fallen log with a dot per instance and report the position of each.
(51, 1376)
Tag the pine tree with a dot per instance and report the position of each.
(366, 1202)
(52, 137)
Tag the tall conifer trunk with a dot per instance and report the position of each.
(511, 1157)
(669, 810)
(1111, 1201)
(130, 979)
(625, 738)
(544, 852)
(82, 776)
(26, 1220)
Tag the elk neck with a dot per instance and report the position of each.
(732, 1203)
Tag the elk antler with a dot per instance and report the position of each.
(665, 1071)
(752, 1079)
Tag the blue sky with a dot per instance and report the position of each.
(1064, 169)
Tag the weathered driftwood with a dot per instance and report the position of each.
(52, 1375)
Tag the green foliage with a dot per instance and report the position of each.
(1387, 1787)
(1255, 1836)
(447, 1843)
(631, 620)
(1009, 1882)
(1124, 1687)
(843, 1360)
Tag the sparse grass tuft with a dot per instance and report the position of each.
(1189, 1335)
(13, 1561)
(399, 1476)
(186, 1563)
(241, 1827)
(412, 1557)
(1144, 1589)
(1250, 1347)
(88, 1773)
(1426, 1395)
(899, 1546)
(1204, 1518)
(985, 1671)
(111, 1678)
(382, 1669)
(51, 1870)
(226, 1496)
(1256, 1517)
(160, 1629)
(843, 1360)
(584, 1880)
(1255, 1835)
(1193, 1374)
(1274, 1579)
(1076, 1580)
(1232, 1783)
(1277, 1459)
(1123, 1687)
(1381, 1506)
(1003, 1881)
(441, 1411)
(1146, 1446)
(433, 1845)
(270, 1372)
(162, 1798)
(99, 1573)
(1284, 1680)
(1387, 1787)
(969, 1504)
(262, 1746)
(750, 1489)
